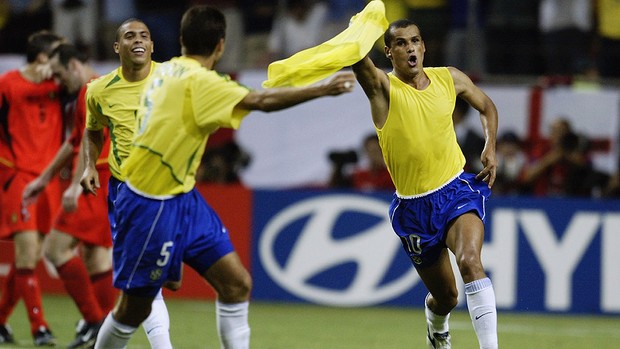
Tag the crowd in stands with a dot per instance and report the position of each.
(501, 37)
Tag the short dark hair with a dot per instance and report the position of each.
(401, 23)
(40, 42)
(202, 27)
(129, 20)
(66, 52)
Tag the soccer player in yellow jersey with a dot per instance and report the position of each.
(112, 101)
(436, 206)
(162, 220)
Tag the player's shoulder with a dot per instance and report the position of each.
(104, 81)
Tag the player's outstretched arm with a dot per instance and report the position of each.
(92, 146)
(272, 99)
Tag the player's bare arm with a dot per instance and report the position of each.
(34, 188)
(272, 99)
(466, 89)
(92, 146)
(376, 86)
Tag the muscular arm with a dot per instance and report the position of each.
(466, 89)
(272, 99)
(375, 84)
(92, 146)
(34, 188)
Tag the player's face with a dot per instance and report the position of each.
(66, 76)
(406, 50)
(134, 44)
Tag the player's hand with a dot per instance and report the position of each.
(31, 192)
(90, 181)
(70, 197)
(489, 171)
(342, 82)
(43, 71)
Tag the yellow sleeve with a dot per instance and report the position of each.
(316, 63)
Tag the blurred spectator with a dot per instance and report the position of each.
(231, 62)
(433, 17)
(511, 161)
(565, 27)
(22, 18)
(470, 141)
(222, 164)
(77, 21)
(113, 14)
(565, 169)
(258, 21)
(299, 27)
(512, 37)
(465, 46)
(163, 17)
(608, 36)
(373, 176)
(339, 15)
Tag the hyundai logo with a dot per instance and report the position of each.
(322, 243)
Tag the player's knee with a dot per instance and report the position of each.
(237, 289)
(470, 267)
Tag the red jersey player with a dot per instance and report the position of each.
(31, 118)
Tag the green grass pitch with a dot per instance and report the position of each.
(297, 326)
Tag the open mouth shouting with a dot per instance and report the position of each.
(412, 60)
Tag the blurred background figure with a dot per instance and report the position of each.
(371, 175)
(222, 164)
(565, 27)
(77, 21)
(565, 168)
(608, 38)
(511, 161)
(298, 27)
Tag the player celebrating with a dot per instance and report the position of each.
(162, 219)
(111, 102)
(31, 118)
(437, 206)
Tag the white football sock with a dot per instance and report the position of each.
(232, 325)
(483, 311)
(438, 323)
(113, 334)
(157, 325)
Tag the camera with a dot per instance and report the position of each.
(343, 157)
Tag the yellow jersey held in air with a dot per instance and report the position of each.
(418, 139)
(112, 101)
(182, 104)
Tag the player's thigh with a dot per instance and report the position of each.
(98, 259)
(132, 309)
(58, 247)
(230, 279)
(439, 279)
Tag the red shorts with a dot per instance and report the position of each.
(37, 216)
(89, 223)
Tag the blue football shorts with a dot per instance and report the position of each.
(113, 186)
(155, 237)
(422, 222)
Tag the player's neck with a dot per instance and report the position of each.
(133, 73)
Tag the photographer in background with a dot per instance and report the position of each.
(374, 176)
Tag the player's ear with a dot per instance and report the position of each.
(116, 46)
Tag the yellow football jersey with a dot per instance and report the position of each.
(418, 139)
(112, 101)
(182, 104)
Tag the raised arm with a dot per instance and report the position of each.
(376, 86)
(272, 99)
(466, 89)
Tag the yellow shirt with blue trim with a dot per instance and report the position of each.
(418, 139)
(112, 101)
(182, 104)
